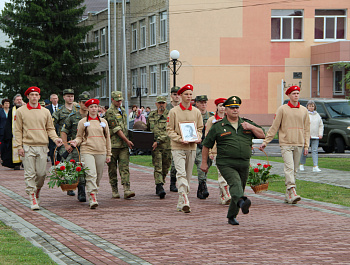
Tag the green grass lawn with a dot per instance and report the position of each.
(15, 249)
(306, 189)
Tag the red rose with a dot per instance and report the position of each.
(72, 160)
(57, 162)
(78, 169)
(62, 168)
(258, 164)
(256, 169)
(266, 166)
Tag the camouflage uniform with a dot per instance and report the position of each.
(117, 120)
(202, 192)
(161, 156)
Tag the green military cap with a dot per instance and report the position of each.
(68, 91)
(161, 99)
(84, 97)
(174, 89)
(232, 102)
(42, 103)
(201, 98)
(117, 95)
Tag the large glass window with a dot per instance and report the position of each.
(164, 78)
(104, 84)
(153, 79)
(163, 27)
(142, 34)
(103, 41)
(97, 40)
(287, 24)
(338, 85)
(134, 82)
(143, 80)
(330, 24)
(152, 30)
(134, 36)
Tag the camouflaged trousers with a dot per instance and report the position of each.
(120, 157)
(202, 176)
(161, 159)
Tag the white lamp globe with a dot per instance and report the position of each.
(174, 54)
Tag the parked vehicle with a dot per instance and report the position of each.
(335, 114)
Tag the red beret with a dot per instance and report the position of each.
(184, 88)
(92, 101)
(291, 89)
(32, 89)
(219, 100)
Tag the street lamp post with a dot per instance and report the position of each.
(174, 64)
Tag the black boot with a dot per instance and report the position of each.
(205, 190)
(173, 184)
(232, 221)
(200, 191)
(70, 193)
(81, 193)
(244, 203)
(160, 190)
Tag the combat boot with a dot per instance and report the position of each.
(173, 184)
(37, 195)
(70, 193)
(127, 192)
(205, 190)
(33, 202)
(115, 192)
(291, 196)
(200, 191)
(81, 193)
(93, 200)
(160, 190)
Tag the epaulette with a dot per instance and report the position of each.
(72, 113)
(211, 113)
(246, 119)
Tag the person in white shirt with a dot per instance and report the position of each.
(316, 133)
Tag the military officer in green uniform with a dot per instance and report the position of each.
(202, 192)
(69, 132)
(60, 116)
(233, 136)
(117, 122)
(175, 100)
(161, 149)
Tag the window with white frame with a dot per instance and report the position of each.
(153, 79)
(143, 81)
(338, 82)
(330, 24)
(103, 41)
(97, 40)
(152, 30)
(164, 78)
(134, 82)
(142, 34)
(163, 27)
(104, 84)
(287, 25)
(134, 36)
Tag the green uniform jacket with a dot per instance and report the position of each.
(234, 147)
(117, 120)
(70, 126)
(59, 117)
(157, 124)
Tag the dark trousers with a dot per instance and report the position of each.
(236, 177)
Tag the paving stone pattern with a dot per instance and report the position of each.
(147, 230)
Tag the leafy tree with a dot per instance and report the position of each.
(47, 47)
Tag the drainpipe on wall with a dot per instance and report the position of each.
(109, 54)
(124, 66)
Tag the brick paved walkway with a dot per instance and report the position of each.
(147, 230)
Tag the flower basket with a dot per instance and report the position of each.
(66, 174)
(259, 175)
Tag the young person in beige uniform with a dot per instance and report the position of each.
(225, 196)
(95, 148)
(293, 125)
(184, 152)
(33, 127)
